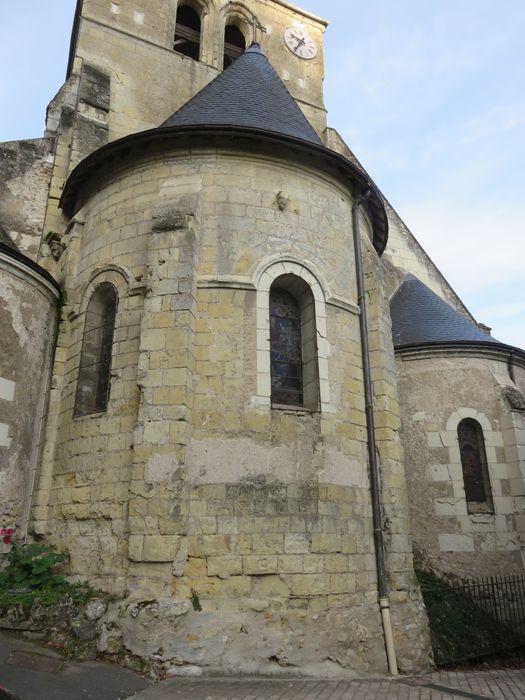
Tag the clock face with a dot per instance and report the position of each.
(300, 43)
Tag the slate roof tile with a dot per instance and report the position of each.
(420, 316)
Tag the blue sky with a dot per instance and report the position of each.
(430, 96)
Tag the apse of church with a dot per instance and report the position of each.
(206, 441)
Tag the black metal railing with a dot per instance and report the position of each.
(471, 618)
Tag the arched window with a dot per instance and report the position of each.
(293, 344)
(187, 32)
(234, 44)
(475, 470)
(95, 357)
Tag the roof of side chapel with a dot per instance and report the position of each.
(419, 316)
(248, 94)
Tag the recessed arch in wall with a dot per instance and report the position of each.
(93, 334)
(469, 431)
(478, 491)
(93, 383)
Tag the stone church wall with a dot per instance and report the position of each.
(28, 316)
(438, 391)
(191, 487)
(25, 171)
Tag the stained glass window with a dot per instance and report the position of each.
(285, 348)
(95, 357)
(474, 463)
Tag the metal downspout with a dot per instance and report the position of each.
(375, 482)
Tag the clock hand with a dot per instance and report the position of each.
(300, 43)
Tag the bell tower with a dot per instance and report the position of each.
(158, 54)
(134, 63)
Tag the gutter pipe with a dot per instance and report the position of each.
(375, 480)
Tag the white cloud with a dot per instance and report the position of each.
(493, 121)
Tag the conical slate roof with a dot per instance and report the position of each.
(420, 316)
(248, 94)
(248, 99)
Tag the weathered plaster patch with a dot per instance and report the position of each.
(434, 440)
(161, 468)
(439, 472)
(7, 389)
(179, 562)
(225, 461)
(343, 471)
(5, 440)
(456, 543)
(12, 304)
(419, 416)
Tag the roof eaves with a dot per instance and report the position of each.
(124, 146)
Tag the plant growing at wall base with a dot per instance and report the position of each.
(28, 577)
(30, 566)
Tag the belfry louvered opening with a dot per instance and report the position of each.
(187, 39)
(234, 44)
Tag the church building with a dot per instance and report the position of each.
(233, 386)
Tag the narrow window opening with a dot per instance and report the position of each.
(187, 32)
(234, 44)
(475, 469)
(95, 357)
(293, 344)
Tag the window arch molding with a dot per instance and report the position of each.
(120, 277)
(238, 15)
(478, 489)
(490, 439)
(264, 278)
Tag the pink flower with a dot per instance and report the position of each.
(6, 533)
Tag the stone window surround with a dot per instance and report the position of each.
(456, 508)
(238, 14)
(119, 278)
(449, 438)
(264, 279)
